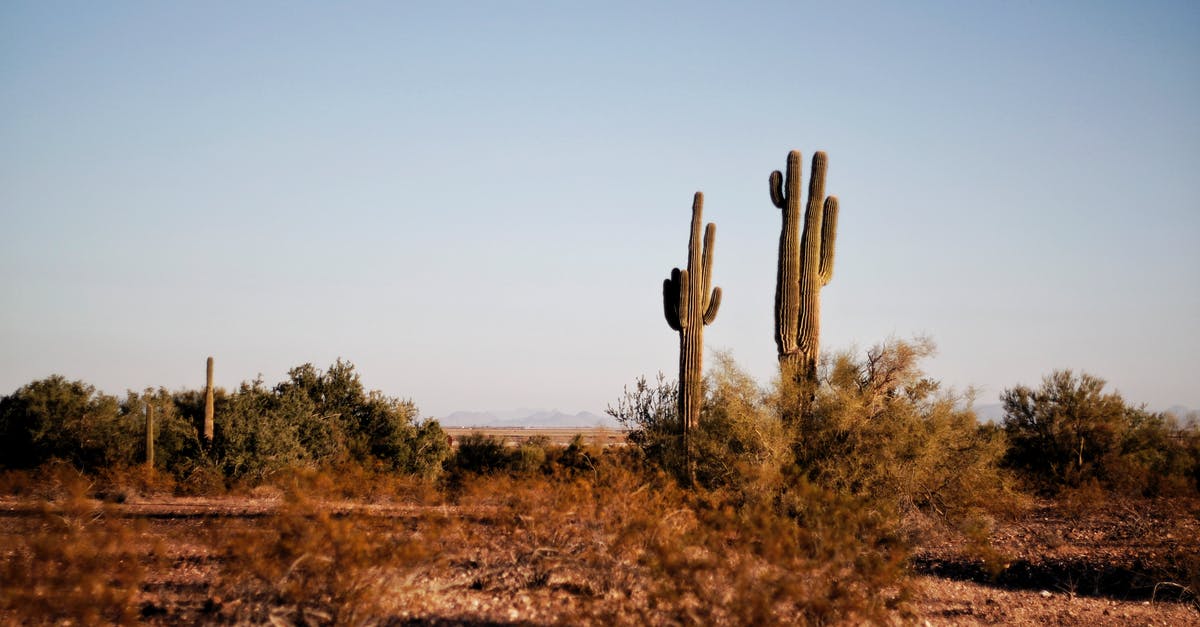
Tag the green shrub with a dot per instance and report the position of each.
(428, 448)
(312, 419)
(530, 455)
(53, 418)
(739, 441)
(874, 428)
(879, 428)
(650, 414)
(257, 432)
(176, 440)
(1070, 432)
(480, 454)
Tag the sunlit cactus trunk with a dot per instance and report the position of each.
(690, 302)
(149, 435)
(208, 404)
(805, 265)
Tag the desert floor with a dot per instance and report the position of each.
(1056, 565)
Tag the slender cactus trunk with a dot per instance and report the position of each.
(149, 436)
(208, 404)
(689, 303)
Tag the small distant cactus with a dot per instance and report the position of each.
(805, 265)
(208, 404)
(689, 305)
(149, 435)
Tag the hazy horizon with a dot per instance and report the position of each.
(477, 203)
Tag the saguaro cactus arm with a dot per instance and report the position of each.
(671, 300)
(714, 303)
(675, 299)
(828, 238)
(795, 166)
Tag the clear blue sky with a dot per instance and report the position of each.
(476, 202)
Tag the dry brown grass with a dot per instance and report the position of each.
(634, 549)
(306, 564)
(610, 546)
(75, 562)
(601, 545)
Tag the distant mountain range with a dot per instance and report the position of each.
(526, 418)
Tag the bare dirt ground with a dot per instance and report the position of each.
(1109, 562)
(1131, 564)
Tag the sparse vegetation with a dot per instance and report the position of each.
(75, 561)
(809, 522)
(804, 503)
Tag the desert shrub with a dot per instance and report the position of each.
(257, 433)
(314, 418)
(1070, 432)
(119, 484)
(345, 421)
(68, 420)
(530, 455)
(636, 548)
(318, 419)
(879, 428)
(428, 449)
(353, 481)
(480, 454)
(739, 441)
(77, 564)
(200, 477)
(650, 414)
(578, 456)
(305, 565)
(1158, 456)
(176, 440)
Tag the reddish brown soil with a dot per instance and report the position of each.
(1104, 562)
(1129, 564)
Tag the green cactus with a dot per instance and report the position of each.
(805, 265)
(208, 404)
(149, 435)
(689, 305)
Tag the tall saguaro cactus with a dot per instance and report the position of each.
(690, 302)
(149, 435)
(208, 404)
(805, 265)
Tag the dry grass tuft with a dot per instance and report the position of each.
(76, 563)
